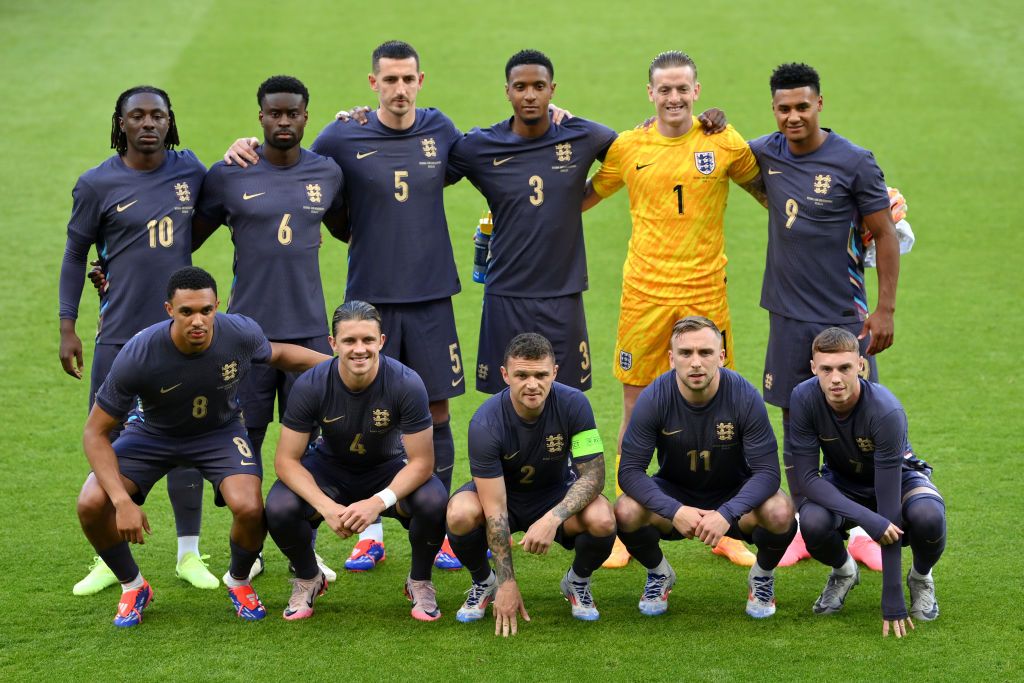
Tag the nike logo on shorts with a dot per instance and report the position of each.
(457, 382)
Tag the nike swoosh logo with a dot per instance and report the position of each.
(509, 457)
(439, 470)
(670, 433)
(167, 390)
(123, 207)
(457, 382)
(246, 196)
(333, 419)
(584, 378)
(789, 467)
(823, 438)
(639, 166)
(772, 171)
(363, 155)
(249, 464)
(499, 162)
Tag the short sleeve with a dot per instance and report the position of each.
(608, 178)
(484, 451)
(869, 186)
(302, 414)
(86, 212)
(413, 404)
(744, 167)
(211, 197)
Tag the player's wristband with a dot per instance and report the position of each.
(388, 496)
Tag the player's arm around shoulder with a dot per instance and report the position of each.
(294, 358)
(743, 167)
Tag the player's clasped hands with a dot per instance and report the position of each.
(508, 603)
(333, 517)
(362, 514)
(711, 528)
(687, 519)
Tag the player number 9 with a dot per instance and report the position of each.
(792, 209)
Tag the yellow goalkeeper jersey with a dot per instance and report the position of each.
(678, 189)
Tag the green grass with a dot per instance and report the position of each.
(932, 88)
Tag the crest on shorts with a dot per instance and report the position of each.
(726, 431)
(554, 442)
(429, 147)
(563, 152)
(381, 417)
(229, 371)
(183, 192)
(313, 192)
(865, 445)
(705, 162)
(822, 183)
(625, 360)
(768, 381)
(482, 371)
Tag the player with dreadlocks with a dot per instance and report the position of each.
(136, 207)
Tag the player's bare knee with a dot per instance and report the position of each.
(629, 514)
(93, 502)
(247, 510)
(777, 514)
(464, 513)
(599, 518)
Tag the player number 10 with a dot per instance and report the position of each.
(161, 231)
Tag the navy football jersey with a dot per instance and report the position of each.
(141, 224)
(359, 429)
(275, 213)
(815, 265)
(531, 456)
(726, 447)
(400, 251)
(183, 394)
(534, 187)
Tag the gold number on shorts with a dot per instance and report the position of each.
(242, 446)
(401, 187)
(528, 472)
(357, 445)
(161, 231)
(585, 352)
(858, 466)
(284, 231)
(537, 183)
(792, 209)
(453, 353)
(703, 455)
(199, 407)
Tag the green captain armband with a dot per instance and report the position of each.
(587, 443)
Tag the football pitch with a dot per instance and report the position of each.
(933, 88)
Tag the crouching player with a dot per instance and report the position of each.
(870, 478)
(719, 469)
(185, 374)
(538, 466)
(375, 456)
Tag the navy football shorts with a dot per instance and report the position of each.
(700, 500)
(526, 507)
(265, 383)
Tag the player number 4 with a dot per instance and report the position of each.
(357, 446)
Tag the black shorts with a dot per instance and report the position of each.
(422, 336)
(102, 359)
(560, 319)
(526, 507)
(145, 458)
(264, 383)
(700, 500)
(787, 360)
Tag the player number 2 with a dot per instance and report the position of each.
(199, 407)
(703, 455)
(242, 447)
(401, 187)
(357, 445)
(792, 209)
(161, 231)
(284, 231)
(537, 183)
(527, 472)
(678, 189)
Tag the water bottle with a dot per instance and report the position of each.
(482, 242)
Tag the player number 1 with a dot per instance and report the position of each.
(161, 231)
(284, 231)
(678, 189)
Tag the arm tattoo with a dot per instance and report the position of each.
(757, 190)
(584, 490)
(499, 538)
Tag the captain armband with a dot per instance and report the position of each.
(587, 443)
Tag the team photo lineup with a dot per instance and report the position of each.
(182, 390)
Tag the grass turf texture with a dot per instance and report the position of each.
(932, 88)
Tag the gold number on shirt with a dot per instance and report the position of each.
(858, 466)
(242, 446)
(678, 189)
(453, 353)
(528, 472)
(199, 407)
(792, 209)
(284, 231)
(401, 187)
(585, 352)
(357, 445)
(537, 183)
(161, 231)
(695, 456)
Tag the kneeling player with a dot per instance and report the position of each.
(522, 442)
(186, 379)
(870, 478)
(719, 469)
(375, 456)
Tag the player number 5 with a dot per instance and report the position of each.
(453, 353)
(284, 231)
(401, 187)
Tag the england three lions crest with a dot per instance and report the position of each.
(705, 162)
